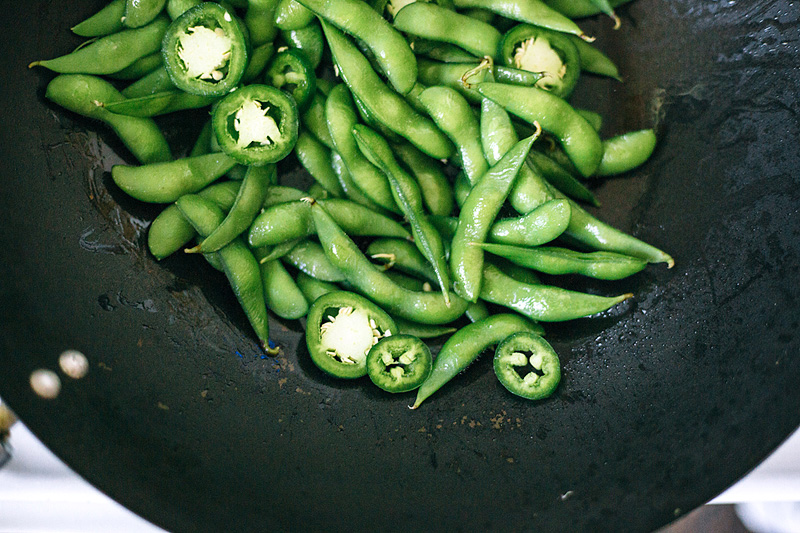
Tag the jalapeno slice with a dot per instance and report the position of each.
(341, 328)
(399, 363)
(527, 366)
(256, 124)
(543, 51)
(291, 72)
(205, 50)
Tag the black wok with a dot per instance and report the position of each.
(662, 406)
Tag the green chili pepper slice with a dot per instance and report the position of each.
(399, 363)
(527, 366)
(205, 51)
(256, 124)
(291, 71)
(341, 328)
(549, 52)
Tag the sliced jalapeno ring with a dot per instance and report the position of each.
(291, 72)
(539, 50)
(341, 328)
(256, 124)
(205, 51)
(399, 363)
(527, 366)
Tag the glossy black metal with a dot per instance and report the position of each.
(662, 406)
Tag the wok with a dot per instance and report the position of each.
(663, 404)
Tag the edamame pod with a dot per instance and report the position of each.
(477, 214)
(579, 140)
(554, 260)
(238, 262)
(366, 278)
(141, 12)
(316, 159)
(292, 220)
(282, 295)
(86, 96)
(466, 345)
(170, 231)
(384, 104)
(249, 200)
(111, 53)
(542, 302)
(452, 113)
(309, 257)
(434, 185)
(391, 50)
(341, 118)
(626, 152)
(166, 182)
(409, 198)
(530, 11)
(105, 22)
(436, 23)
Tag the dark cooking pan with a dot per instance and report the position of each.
(663, 404)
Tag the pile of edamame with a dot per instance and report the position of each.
(449, 169)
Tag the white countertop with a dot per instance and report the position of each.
(39, 493)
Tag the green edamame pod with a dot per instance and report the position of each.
(595, 119)
(314, 120)
(530, 11)
(477, 214)
(517, 272)
(542, 302)
(541, 225)
(238, 262)
(105, 22)
(421, 331)
(408, 197)
(407, 282)
(202, 145)
(384, 104)
(403, 256)
(391, 51)
(444, 52)
(248, 203)
(308, 257)
(560, 178)
(423, 307)
(466, 345)
(497, 131)
(452, 113)
(139, 68)
(580, 8)
(141, 12)
(111, 53)
(257, 62)
(625, 152)
(436, 23)
(176, 8)
(291, 220)
(260, 21)
(313, 288)
(278, 194)
(86, 96)
(157, 81)
(434, 185)
(554, 260)
(153, 105)
(166, 182)
(436, 73)
(170, 231)
(291, 15)
(308, 40)
(316, 159)
(579, 140)
(593, 60)
(351, 191)
(477, 311)
(281, 293)
(341, 117)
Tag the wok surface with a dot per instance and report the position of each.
(662, 405)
